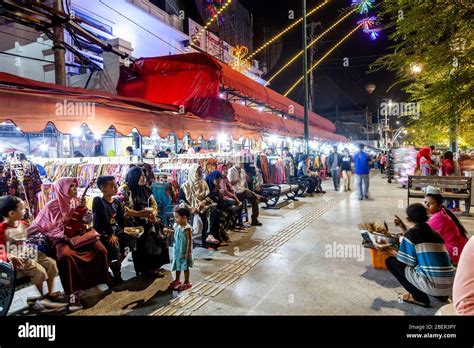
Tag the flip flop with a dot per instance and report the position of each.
(174, 285)
(411, 300)
(185, 286)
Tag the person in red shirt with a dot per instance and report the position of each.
(424, 152)
(24, 257)
(448, 168)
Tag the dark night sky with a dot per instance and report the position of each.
(334, 84)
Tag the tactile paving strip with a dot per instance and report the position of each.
(215, 283)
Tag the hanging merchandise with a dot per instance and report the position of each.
(21, 179)
(162, 194)
(262, 163)
(44, 196)
(275, 169)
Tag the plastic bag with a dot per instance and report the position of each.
(197, 225)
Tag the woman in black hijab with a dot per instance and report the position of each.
(152, 250)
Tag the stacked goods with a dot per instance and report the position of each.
(404, 164)
(379, 234)
(380, 238)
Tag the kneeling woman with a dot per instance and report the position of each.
(422, 264)
(80, 268)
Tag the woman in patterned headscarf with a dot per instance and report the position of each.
(80, 268)
(194, 192)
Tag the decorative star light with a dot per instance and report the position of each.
(367, 23)
(374, 33)
(212, 6)
(363, 6)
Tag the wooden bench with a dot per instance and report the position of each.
(273, 192)
(462, 184)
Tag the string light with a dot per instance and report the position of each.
(287, 29)
(209, 22)
(300, 53)
(322, 58)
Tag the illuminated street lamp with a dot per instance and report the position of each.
(416, 68)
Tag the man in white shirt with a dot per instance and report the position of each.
(238, 180)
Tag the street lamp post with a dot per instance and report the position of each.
(305, 74)
(370, 88)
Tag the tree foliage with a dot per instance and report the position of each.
(438, 36)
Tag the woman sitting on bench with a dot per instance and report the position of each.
(194, 192)
(446, 224)
(81, 268)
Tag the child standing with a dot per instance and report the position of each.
(183, 244)
(25, 258)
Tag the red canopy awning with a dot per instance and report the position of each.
(31, 105)
(193, 81)
(272, 123)
(251, 88)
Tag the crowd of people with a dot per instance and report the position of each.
(436, 253)
(87, 247)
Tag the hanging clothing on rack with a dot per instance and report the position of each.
(262, 163)
(22, 180)
(162, 193)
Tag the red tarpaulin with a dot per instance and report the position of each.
(234, 80)
(193, 80)
(187, 81)
(32, 106)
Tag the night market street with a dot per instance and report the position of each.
(236, 163)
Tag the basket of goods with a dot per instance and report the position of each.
(381, 239)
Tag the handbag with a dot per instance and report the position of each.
(81, 240)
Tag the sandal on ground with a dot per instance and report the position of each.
(212, 240)
(185, 286)
(76, 306)
(31, 300)
(57, 296)
(52, 305)
(175, 285)
(409, 299)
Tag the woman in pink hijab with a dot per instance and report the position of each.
(80, 268)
